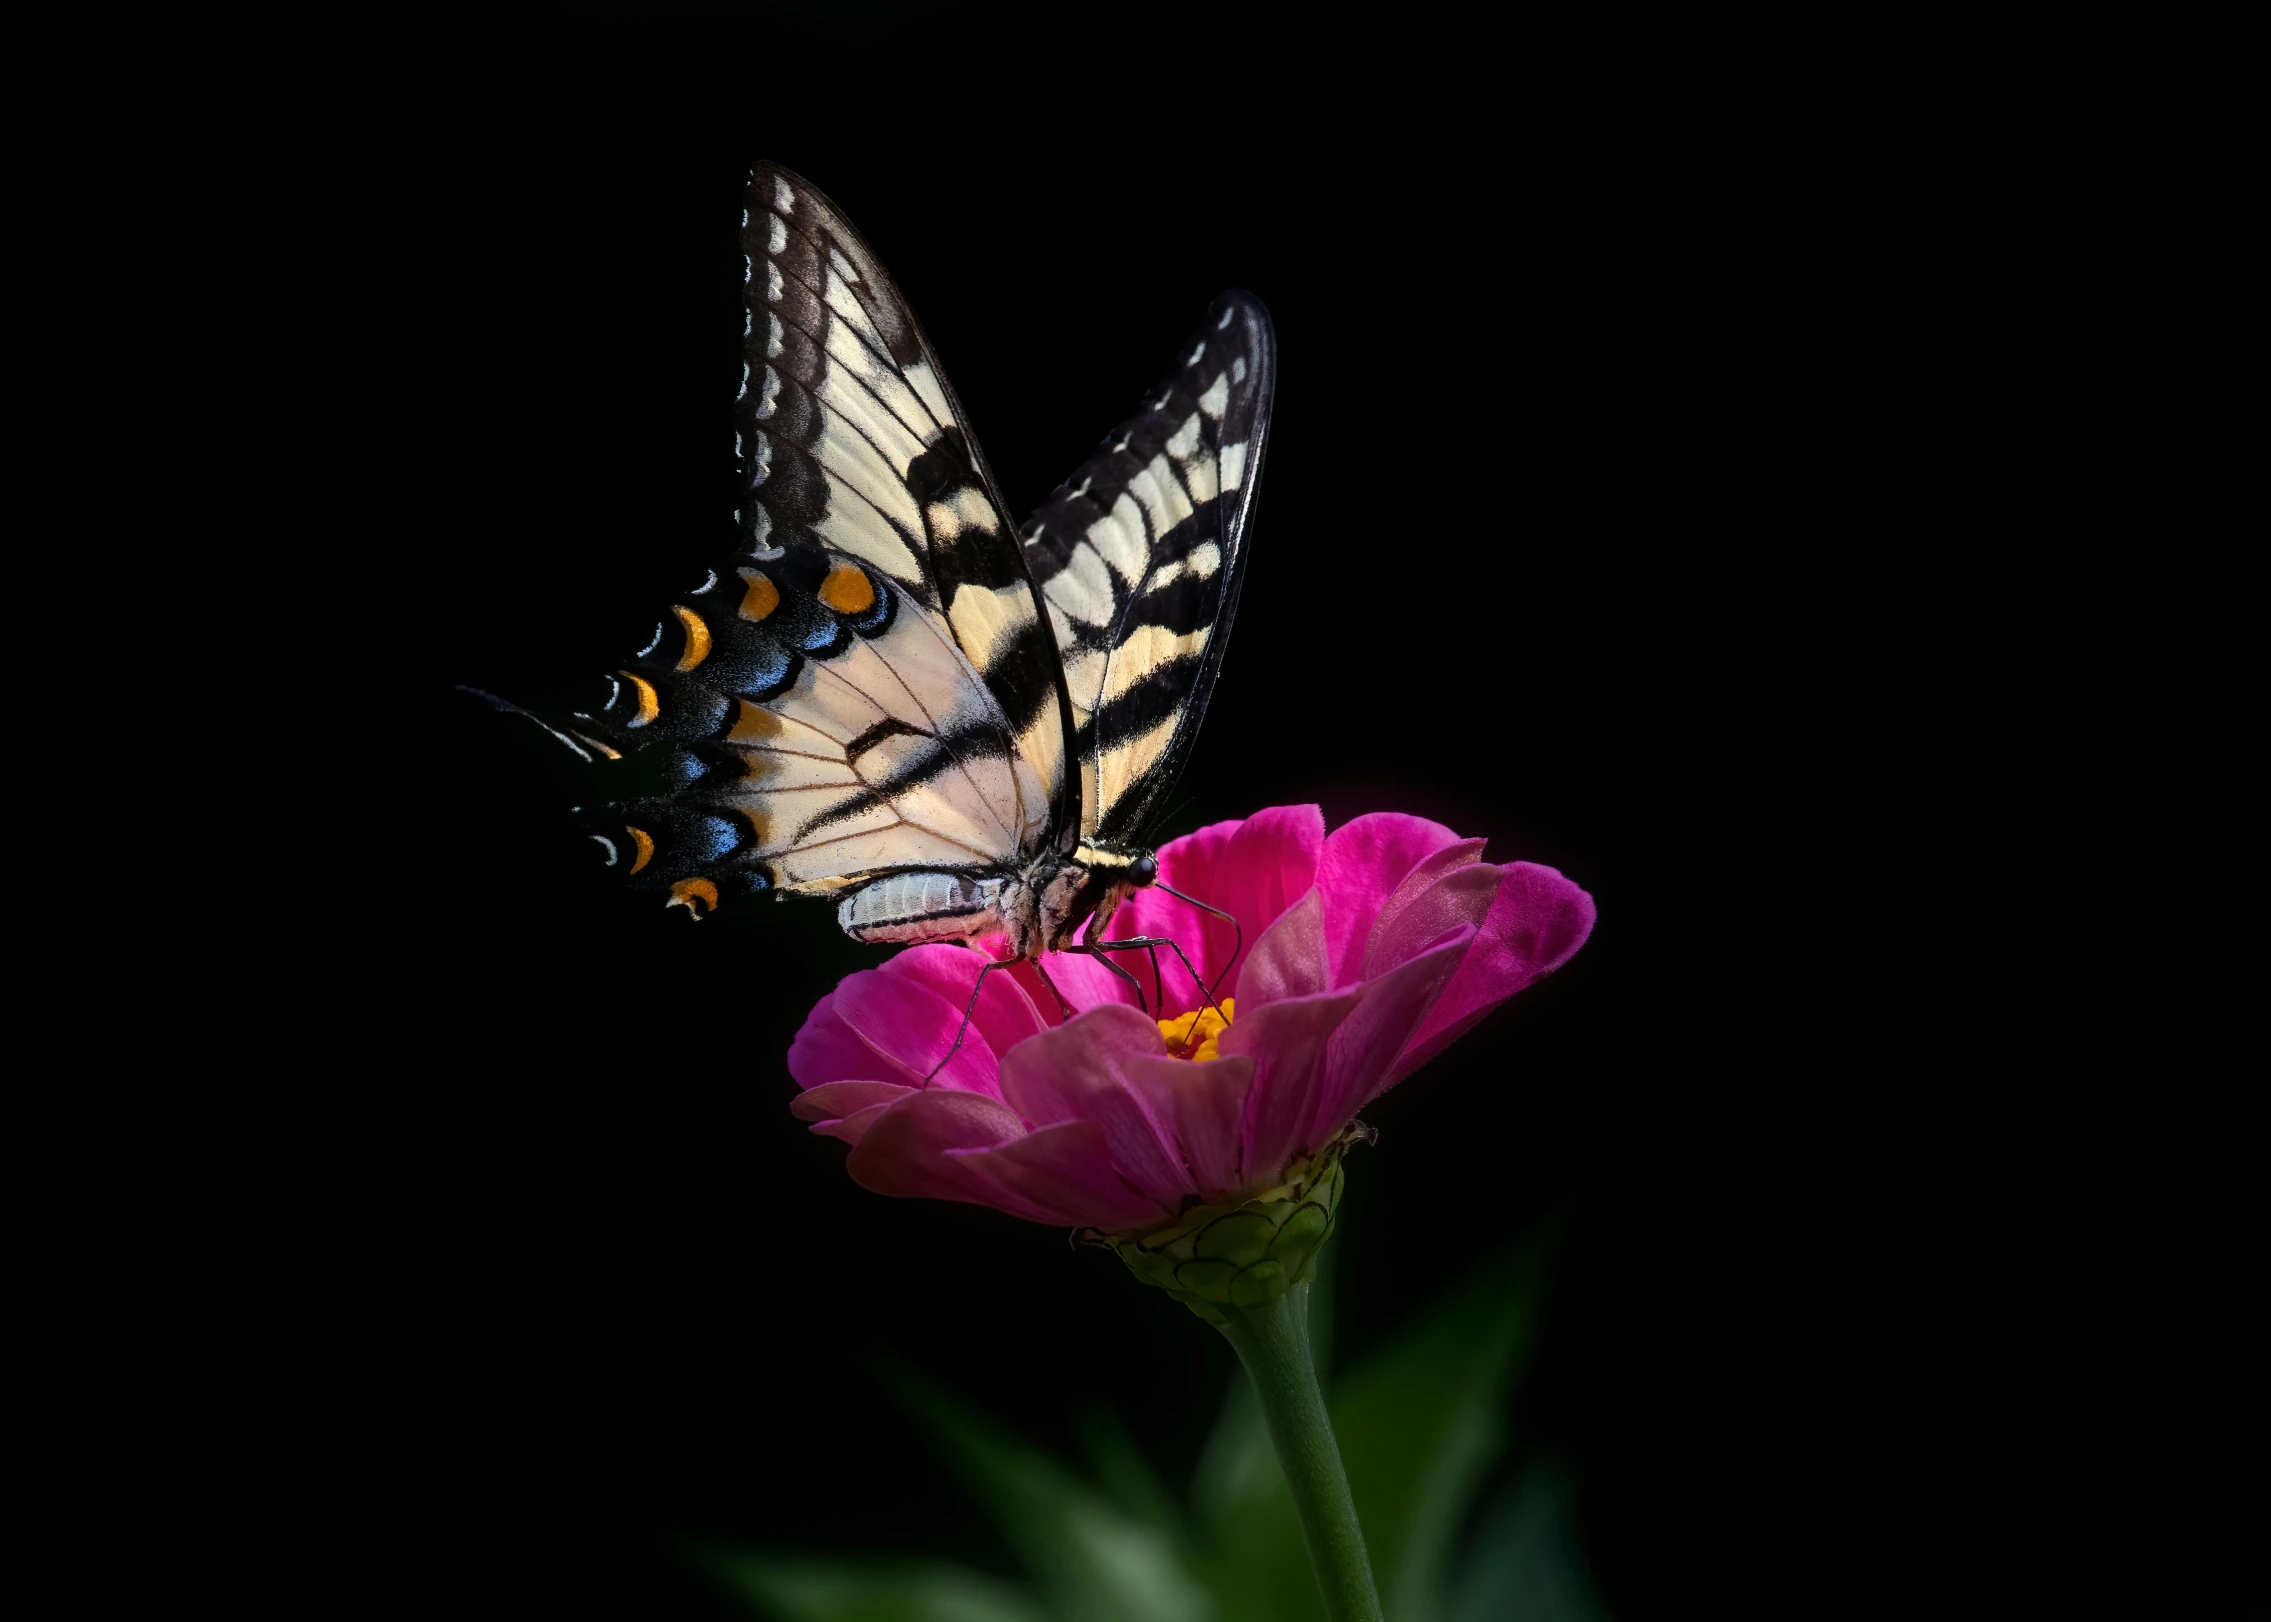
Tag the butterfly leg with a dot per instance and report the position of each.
(1206, 992)
(1096, 952)
(1063, 1007)
(967, 1014)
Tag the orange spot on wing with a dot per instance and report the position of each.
(761, 598)
(697, 638)
(697, 896)
(753, 724)
(644, 841)
(848, 590)
(649, 705)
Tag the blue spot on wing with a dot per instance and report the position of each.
(712, 839)
(825, 635)
(764, 669)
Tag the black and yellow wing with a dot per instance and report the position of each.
(1139, 556)
(870, 684)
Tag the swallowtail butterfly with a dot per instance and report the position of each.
(888, 695)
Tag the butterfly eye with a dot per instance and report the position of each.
(1144, 870)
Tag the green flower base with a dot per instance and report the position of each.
(1243, 1255)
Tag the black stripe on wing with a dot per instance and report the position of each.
(1139, 556)
(851, 437)
(815, 725)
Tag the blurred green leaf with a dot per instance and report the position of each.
(1094, 1562)
(1252, 1556)
(1422, 1422)
(1127, 1477)
(1526, 1562)
(800, 1590)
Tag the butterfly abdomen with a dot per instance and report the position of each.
(914, 907)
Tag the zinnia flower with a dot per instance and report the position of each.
(1366, 952)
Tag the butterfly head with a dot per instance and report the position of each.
(1085, 887)
(1117, 865)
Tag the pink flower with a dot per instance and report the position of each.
(1367, 951)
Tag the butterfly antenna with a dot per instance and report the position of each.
(581, 745)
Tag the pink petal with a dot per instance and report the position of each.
(1359, 869)
(834, 1098)
(853, 1127)
(1252, 870)
(1287, 1042)
(1366, 1044)
(1197, 865)
(1067, 1171)
(1004, 1012)
(1459, 899)
(909, 1152)
(1537, 920)
(1289, 960)
(1364, 955)
(825, 1050)
(1077, 1074)
(1416, 883)
(1084, 982)
(1203, 1105)
(913, 1027)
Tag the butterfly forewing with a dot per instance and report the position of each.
(852, 440)
(869, 686)
(1139, 556)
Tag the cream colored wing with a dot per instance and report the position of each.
(1139, 556)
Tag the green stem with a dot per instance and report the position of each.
(1273, 1343)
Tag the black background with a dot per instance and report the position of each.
(1765, 469)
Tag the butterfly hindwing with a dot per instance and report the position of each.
(1139, 556)
(819, 724)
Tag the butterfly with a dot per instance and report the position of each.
(888, 695)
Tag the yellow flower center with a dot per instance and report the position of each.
(1194, 1035)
